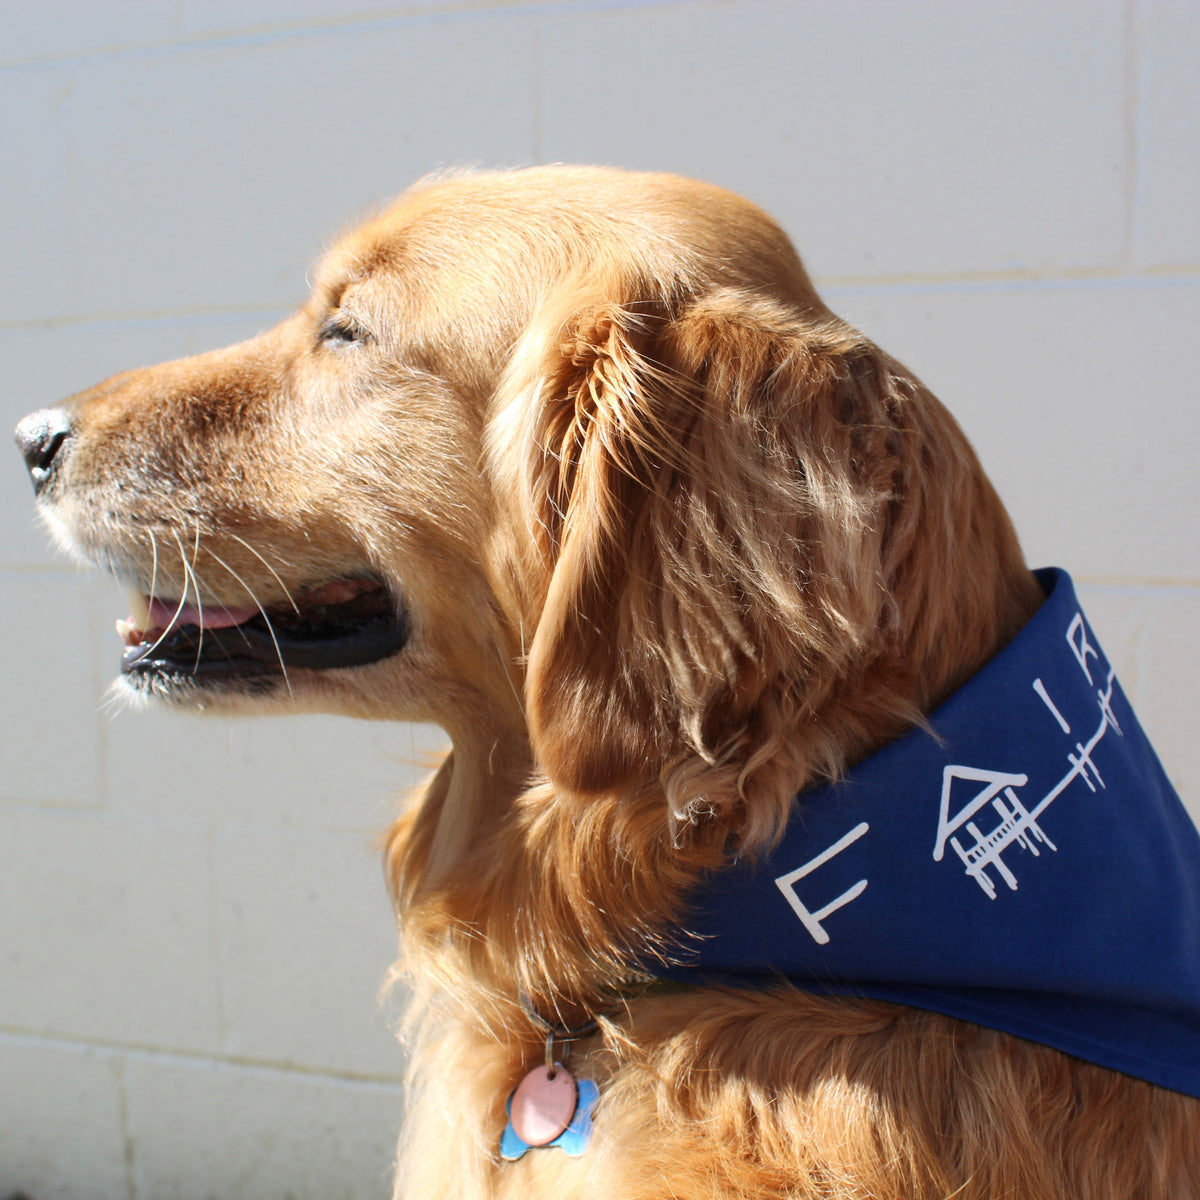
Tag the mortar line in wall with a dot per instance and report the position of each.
(181, 1057)
(537, 92)
(100, 678)
(367, 21)
(49, 567)
(1182, 275)
(26, 568)
(149, 317)
(1141, 587)
(127, 1133)
(1132, 127)
(217, 936)
(1139, 644)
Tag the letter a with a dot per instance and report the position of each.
(994, 783)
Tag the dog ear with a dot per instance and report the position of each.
(711, 486)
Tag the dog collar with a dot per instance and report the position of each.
(1023, 864)
(550, 1107)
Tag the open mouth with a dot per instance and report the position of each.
(342, 623)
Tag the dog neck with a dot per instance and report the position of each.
(507, 883)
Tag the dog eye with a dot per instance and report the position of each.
(340, 331)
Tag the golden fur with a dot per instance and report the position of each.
(674, 542)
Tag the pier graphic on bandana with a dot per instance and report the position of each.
(983, 815)
(1018, 825)
(1019, 861)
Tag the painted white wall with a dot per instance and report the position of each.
(1007, 196)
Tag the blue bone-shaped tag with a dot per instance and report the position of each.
(573, 1139)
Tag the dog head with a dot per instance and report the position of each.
(571, 461)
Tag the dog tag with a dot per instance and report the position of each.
(543, 1105)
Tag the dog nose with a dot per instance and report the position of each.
(41, 437)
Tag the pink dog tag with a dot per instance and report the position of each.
(543, 1105)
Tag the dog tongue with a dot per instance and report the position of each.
(164, 614)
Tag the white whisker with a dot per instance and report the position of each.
(270, 628)
(182, 599)
(283, 586)
(154, 565)
(214, 604)
(189, 574)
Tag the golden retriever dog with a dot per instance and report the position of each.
(575, 463)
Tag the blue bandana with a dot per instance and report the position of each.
(1030, 869)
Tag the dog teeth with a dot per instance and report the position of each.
(139, 609)
(128, 632)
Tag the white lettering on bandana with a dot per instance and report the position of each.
(1027, 867)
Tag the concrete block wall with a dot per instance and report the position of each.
(193, 925)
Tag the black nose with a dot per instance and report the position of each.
(41, 437)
